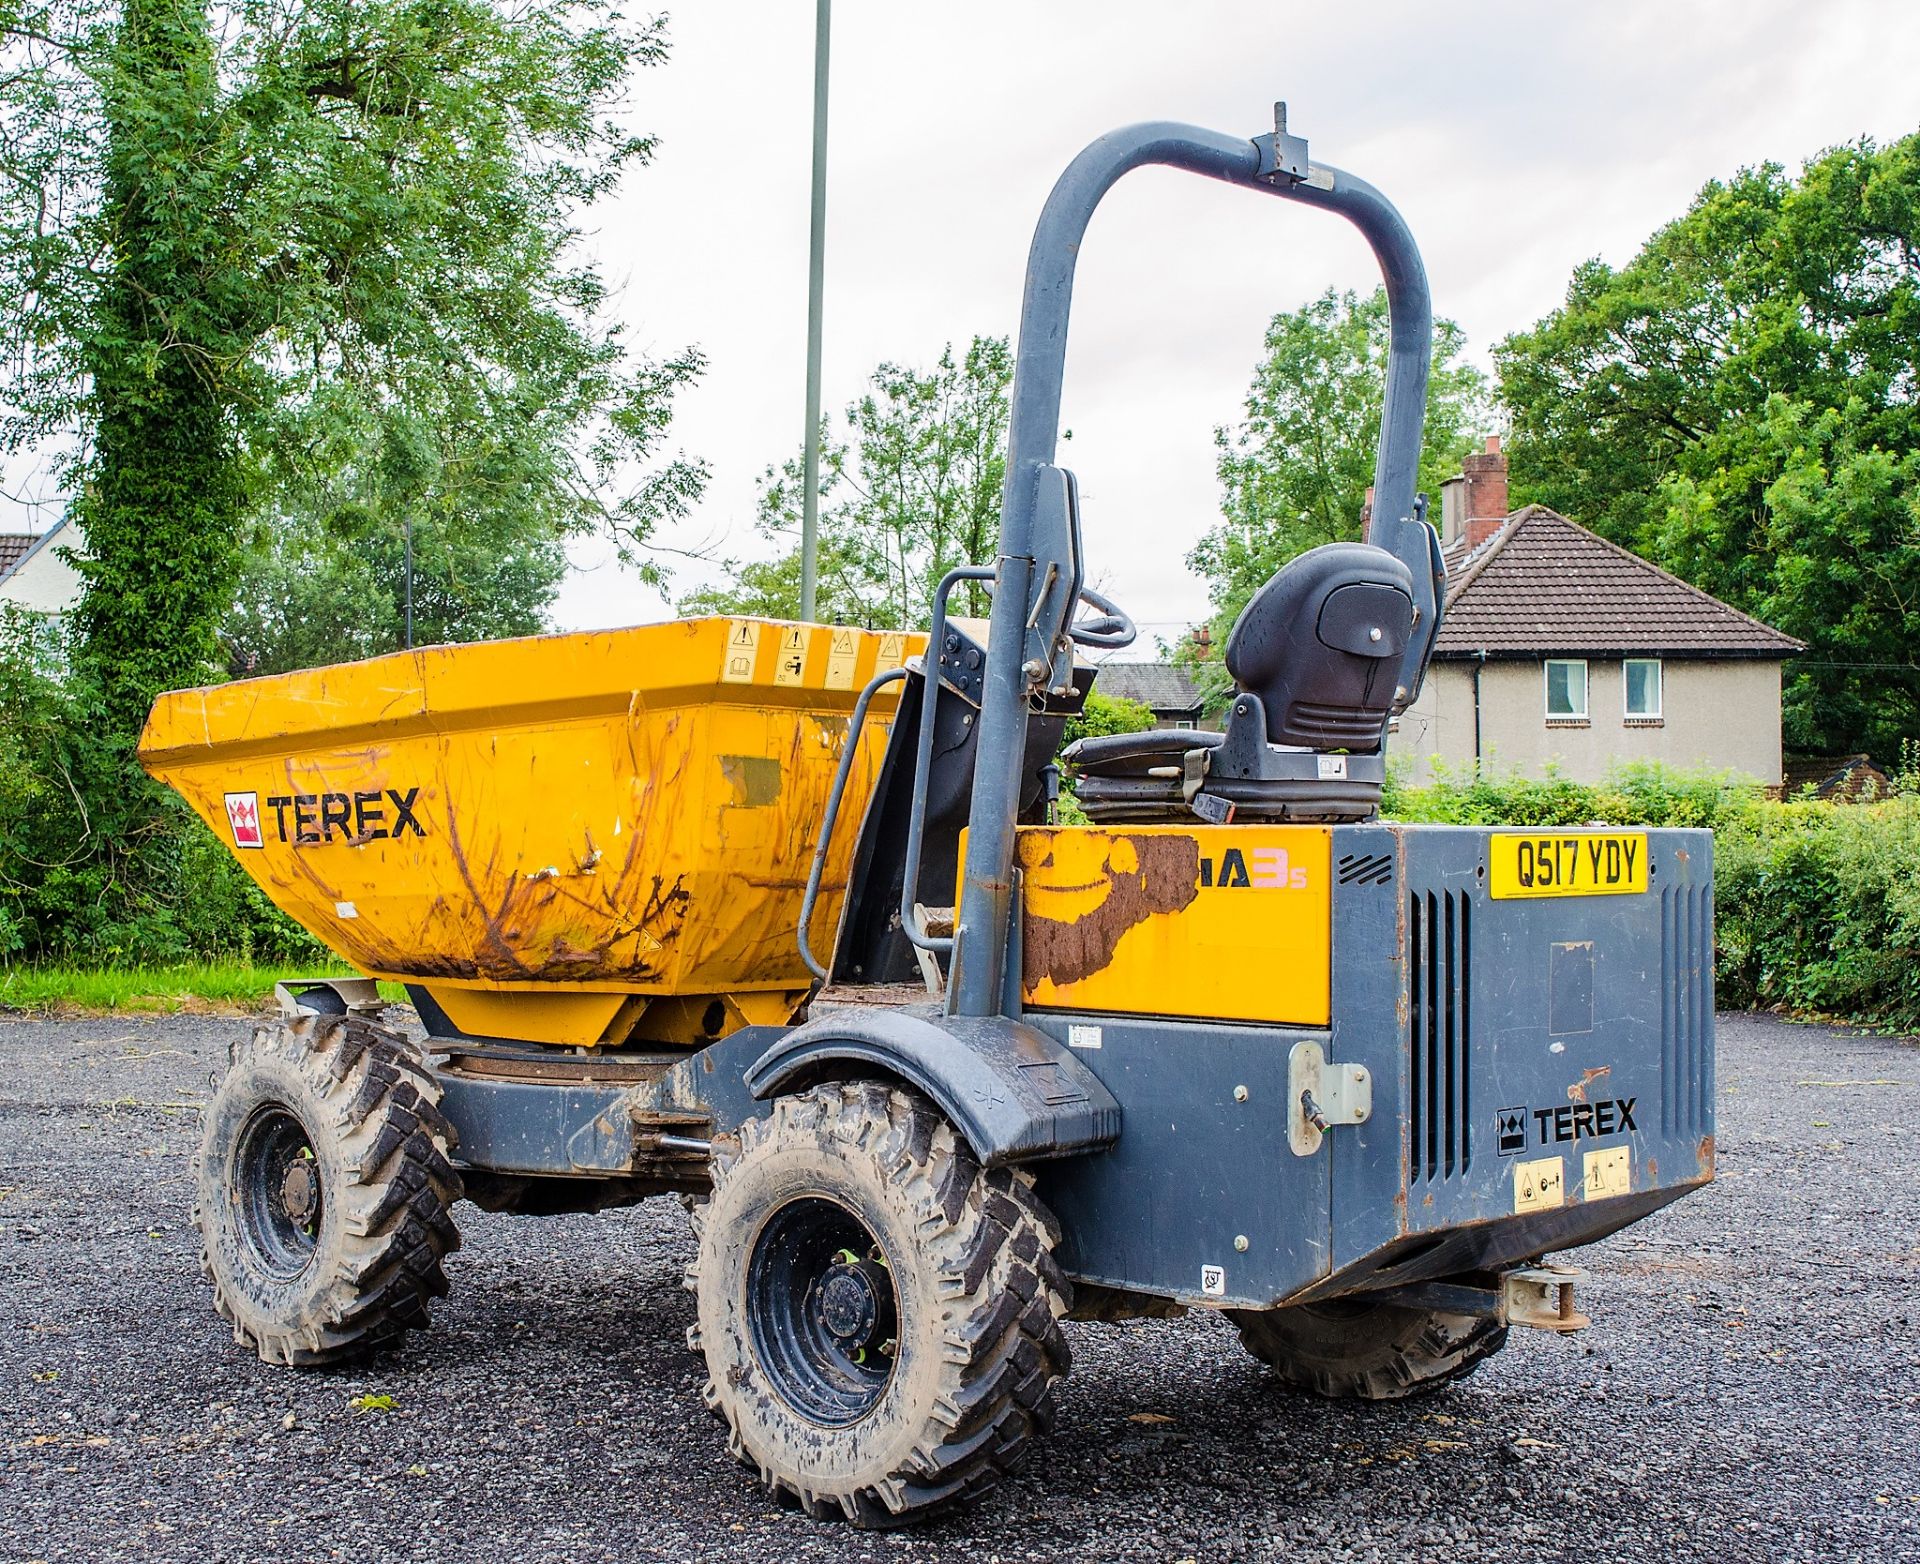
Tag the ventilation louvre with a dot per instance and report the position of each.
(1365, 869)
(1686, 1009)
(1440, 1142)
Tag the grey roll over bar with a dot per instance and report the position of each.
(1035, 553)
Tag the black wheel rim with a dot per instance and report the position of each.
(823, 1311)
(278, 1192)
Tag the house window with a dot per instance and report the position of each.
(1566, 688)
(1643, 686)
(1182, 723)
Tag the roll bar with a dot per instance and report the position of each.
(1039, 521)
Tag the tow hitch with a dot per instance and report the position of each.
(1539, 1296)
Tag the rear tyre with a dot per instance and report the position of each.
(1349, 1350)
(323, 1189)
(880, 1316)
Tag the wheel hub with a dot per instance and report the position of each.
(849, 1302)
(298, 1189)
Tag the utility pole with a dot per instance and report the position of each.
(407, 527)
(816, 270)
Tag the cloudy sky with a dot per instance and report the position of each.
(1518, 139)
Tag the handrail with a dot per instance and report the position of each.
(834, 796)
(923, 756)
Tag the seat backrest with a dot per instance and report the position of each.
(1320, 645)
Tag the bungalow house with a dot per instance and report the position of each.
(33, 573)
(1169, 692)
(1558, 648)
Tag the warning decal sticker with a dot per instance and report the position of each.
(842, 652)
(791, 665)
(743, 646)
(1540, 1185)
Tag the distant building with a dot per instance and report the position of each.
(34, 575)
(1558, 648)
(1167, 691)
(1840, 779)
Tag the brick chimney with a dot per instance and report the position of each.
(1474, 505)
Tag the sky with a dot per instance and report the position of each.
(1518, 140)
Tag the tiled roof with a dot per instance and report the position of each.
(1543, 584)
(14, 547)
(1159, 686)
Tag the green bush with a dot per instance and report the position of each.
(76, 884)
(1816, 905)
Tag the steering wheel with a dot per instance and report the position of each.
(1111, 630)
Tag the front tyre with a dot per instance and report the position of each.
(323, 1189)
(879, 1315)
(1355, 1350)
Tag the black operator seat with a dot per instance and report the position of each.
(1314, 656)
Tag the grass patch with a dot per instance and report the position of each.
(210, 987)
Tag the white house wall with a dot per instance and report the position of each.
(1721, 715)
(44, 582)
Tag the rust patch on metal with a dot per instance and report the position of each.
(1706, 1154)
(1577, 1092)
(1166, 879)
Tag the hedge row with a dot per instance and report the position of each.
(1817, 906)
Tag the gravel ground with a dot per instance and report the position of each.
(1751, 1388)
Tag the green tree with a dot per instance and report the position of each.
(1295, 472)
(1107, 714)
(305, 262)
(311, 598)
(911, 491)
(1737, 403)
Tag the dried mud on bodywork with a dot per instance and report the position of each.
(1165, 878)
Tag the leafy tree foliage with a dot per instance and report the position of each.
(1108, 714)
(910, 492)
(311, 598)
(302, 268)
(1739, 404)
(1295, 472)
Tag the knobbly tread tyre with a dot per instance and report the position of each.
(370, 1110)
(981, 1346)
(1380, 1352)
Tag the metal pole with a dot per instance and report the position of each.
(816, 271)
(407, 527)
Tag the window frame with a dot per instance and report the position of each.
(1547, 665)
(1659, 691)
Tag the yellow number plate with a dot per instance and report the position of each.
(1583, 863)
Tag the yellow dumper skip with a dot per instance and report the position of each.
(586, 838)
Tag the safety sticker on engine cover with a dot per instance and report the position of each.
(1540, 1185)
(1608, 1173)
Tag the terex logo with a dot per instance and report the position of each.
(1569, 1121)
(358, 817)
(1270, 871)
(243, 818)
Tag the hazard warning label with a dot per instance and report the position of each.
(743, 647)
(791, 665)
(843, 651)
